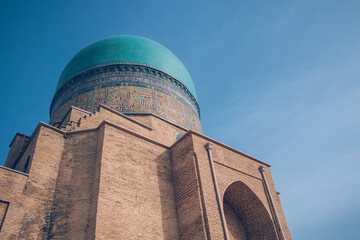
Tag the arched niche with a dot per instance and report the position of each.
(246, 216)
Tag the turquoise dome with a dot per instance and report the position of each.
(127, 50)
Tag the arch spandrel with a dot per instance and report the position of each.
(227, 176)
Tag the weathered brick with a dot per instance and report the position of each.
(116, 176)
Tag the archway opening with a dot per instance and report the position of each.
(246, 216)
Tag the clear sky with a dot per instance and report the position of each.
(279, 80)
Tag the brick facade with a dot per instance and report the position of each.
(107, 175)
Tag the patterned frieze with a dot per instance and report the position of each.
(134, 99)
(122, 74)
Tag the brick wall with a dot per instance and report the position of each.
(114, 178)
(11, 191)
(136, 195)
(189, 203)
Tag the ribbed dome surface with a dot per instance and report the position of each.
(127, 50)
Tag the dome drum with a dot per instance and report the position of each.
(130, 74)
(114, 85)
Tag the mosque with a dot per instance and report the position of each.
(124, 157)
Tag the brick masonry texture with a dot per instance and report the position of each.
(16, 146)
(187, 191)
(107, 175)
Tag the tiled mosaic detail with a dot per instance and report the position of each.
(120, 74)
(129, 88)
(135, 99)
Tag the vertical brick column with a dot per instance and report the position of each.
(46, 149)
(192, 216)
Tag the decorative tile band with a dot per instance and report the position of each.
(129, 88)
(119, 74)
(134, 99)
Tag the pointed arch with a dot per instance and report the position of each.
(246, 216)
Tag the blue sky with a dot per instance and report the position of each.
(278, 80)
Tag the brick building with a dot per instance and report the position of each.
(123, 157)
